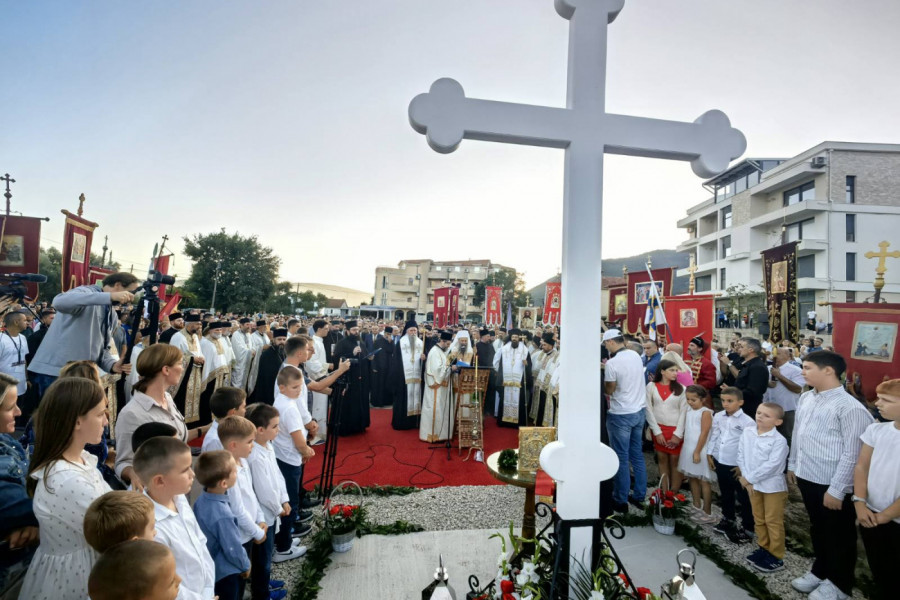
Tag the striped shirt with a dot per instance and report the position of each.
(826, 443)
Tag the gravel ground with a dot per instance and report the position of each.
(488, 507)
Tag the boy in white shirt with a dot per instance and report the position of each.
(164, 465)
(224, 402)
(762, 456)
(268, 482)
(291, 449)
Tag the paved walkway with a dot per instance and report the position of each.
(399, 567)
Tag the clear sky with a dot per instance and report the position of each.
(287, 119)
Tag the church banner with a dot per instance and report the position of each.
(691, 316)
(98, 274)
(453, 314)
(169, 306)
(76, 252)
(552, 303)
(493, 299)
(162, 266)
(618, 303)
(441, 307)
(780, 278)
(866, 335)
(529, 316)
(20, 248)
(638, 290)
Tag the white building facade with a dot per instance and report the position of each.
(838, 199)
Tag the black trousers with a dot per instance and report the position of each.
(833, 534)
(882, 549)
(230, 587)
(729, 490)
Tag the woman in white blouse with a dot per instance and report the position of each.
(63, 480)
(665, 412)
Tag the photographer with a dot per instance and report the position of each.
(83, 329)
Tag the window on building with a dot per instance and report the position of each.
(851, 228)
(806, 266)
(726, 217)
(801, 193)
(383, 298)
(851, 266)
(384, 281)
(410, 281)
(752, 179)
(726, 246)
(794, 232)
(806, 299)
(723, 283)
(478, 269)
(851, 296)
(703, 283)
(851, 189)
(740, 185)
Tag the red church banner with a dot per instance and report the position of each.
(618, 303)
(689, 317)
(866, 336)
(98, 274)
(639, 291)
(20, 248)
(552, 303)
(493, 298)
(441, 307)
(76, 253)
(162, 265)
(170, 306)
(453, 316)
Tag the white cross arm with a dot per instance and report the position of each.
(710, 143)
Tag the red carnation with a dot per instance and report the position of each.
(670, 494)
(334, 510)
(348, 512)
(624, 579)
(507, 586)
(680, 498)
(644, 593)
(669, 504)
(508, 597)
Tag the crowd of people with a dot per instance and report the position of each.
(104, 432)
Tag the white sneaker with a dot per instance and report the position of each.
(295, 542)
(807, 583)
(828, 591)
(294, 552)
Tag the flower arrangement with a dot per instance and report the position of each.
(343, 518)
(666, 504)
(508, 460)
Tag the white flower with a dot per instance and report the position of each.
(528, 597)
(595, 595)
(522, 579)
(530, 570)
(501, 560)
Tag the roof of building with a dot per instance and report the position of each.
(336, 303)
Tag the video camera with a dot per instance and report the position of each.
(12, 285)
(154, 280)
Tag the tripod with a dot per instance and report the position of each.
(329, 454)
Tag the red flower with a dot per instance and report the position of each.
(348, 512)
(507, 586)
(334, 510)
(669, 504)
(644, 593)
(670, 494)
(625, 579)
(508, 597)
(680, 498)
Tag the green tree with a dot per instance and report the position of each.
(745, 299)
(50, 264)
(513, 288)
(247, 271)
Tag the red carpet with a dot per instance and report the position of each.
(383, 456)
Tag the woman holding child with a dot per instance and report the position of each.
(665, 413)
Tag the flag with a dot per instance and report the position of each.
(655, 315)
(170, 306)
(162, 266)
(552, 303)
(493, 305)
(441, 307)
(509, 321)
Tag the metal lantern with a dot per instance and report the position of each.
(439, 588)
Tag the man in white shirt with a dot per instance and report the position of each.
(785, 385)
(13, 348)
(624, 382)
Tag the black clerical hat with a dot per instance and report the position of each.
(191, 318)
(446, 335)
(175, 315)
(350, 324)
(484, 332)
(279, 333)
(261, 323)
(699, 342)
(548, 338)
(245, 320)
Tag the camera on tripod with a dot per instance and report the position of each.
(154, 280)
(12, 285)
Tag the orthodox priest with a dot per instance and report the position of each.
(187, 394)
(437, 407)
(406, 378)
(259, 340)
(317, 367)
(355, 407)
(176, 324)
(244, 352)
(381, 364)
(270, 361)
(513, 364)
(538, 393)
(484, 349)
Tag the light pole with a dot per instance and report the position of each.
(212, 308)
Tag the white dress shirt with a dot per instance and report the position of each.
(268, 483)
(211, 440)
(627, 370)
(245, 506)
(181, 533)
(761, 458)
(825, 444)
(726, 433)
(292, 419)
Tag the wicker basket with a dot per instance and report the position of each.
(342, 542)
(661, 524)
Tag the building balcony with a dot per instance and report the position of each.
(808, 246)
(688, 244)
(795, 212)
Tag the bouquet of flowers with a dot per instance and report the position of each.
(343, 518)
(668, 504)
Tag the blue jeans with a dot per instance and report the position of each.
(625, 433)
(293, 475)
(230, 587)
(42, 382)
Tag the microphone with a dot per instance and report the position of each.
(32, 277)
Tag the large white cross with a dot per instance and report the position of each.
(578, 461)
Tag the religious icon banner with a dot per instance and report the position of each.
(689, 317)
(453, 313)
(638, 290)
(552, 303)
(162, 266)
(528, 316)
(618, 303)
(780, 279)
(866, 335)
(76, 253)
(20, 248)
(493, 300)
(441, 307)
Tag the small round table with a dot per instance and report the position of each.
(522, 479)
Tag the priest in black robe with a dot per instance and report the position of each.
(270, 362)
(484, 349)
(380, 371)
(355, 401)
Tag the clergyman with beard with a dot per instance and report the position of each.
(176, 324)
(270, 362)
(513, 364)
(355, 402)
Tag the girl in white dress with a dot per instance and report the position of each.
(692, 462)
(63, 480)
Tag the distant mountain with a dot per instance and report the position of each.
(612, 267)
